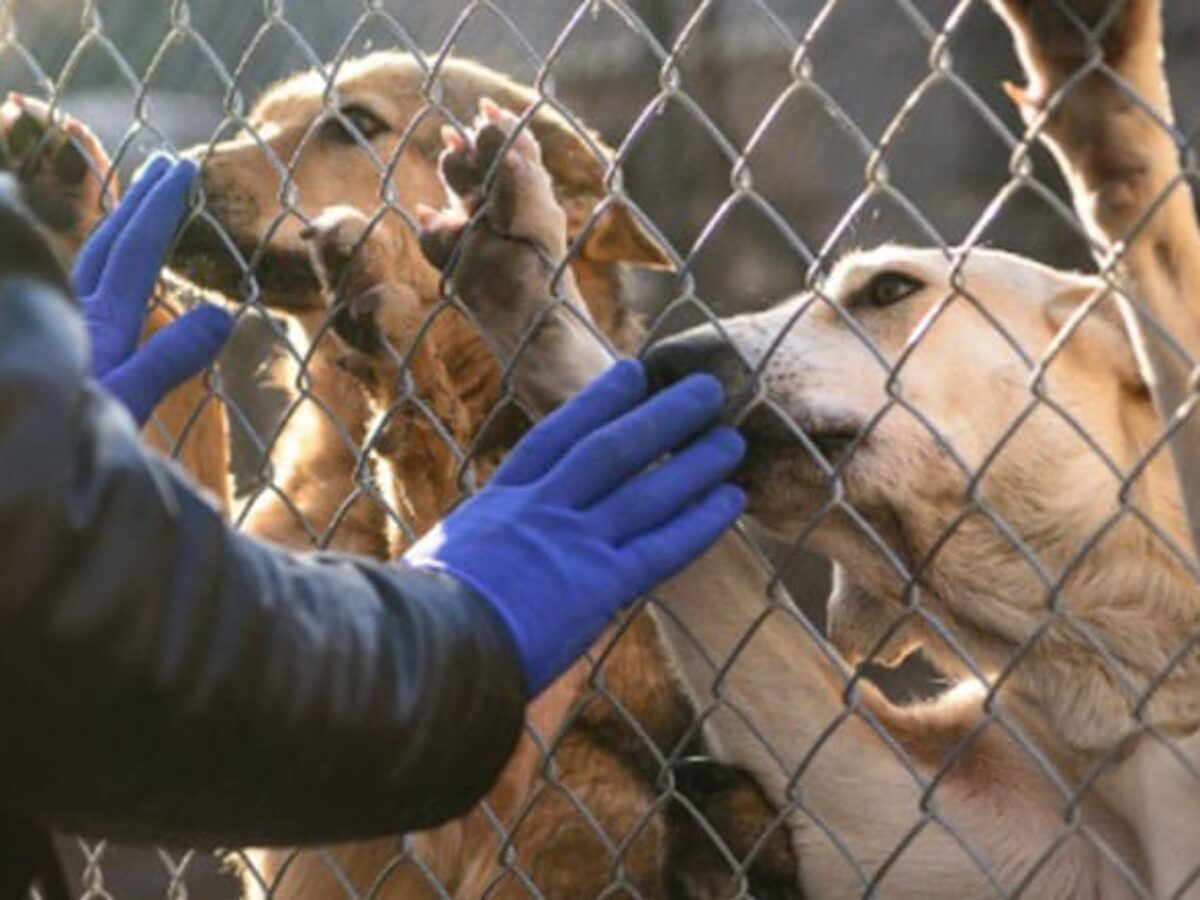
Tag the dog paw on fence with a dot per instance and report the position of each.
(62, 166)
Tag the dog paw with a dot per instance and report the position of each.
(337, 241)
(1057, 37)
(61, 165)
(352, 259)
(502, 231)
(497, 166)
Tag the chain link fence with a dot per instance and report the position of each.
(1003, 696)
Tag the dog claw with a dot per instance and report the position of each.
(490, 109)
(1019, 96)
(452, 138)
(425, 215)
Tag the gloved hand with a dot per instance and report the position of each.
(115, 277)
(574, 525)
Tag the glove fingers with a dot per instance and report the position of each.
(616, 452)
(613, 394)
(170, 357)
(133, 265)
(658, 495)
(667, 550)
(95, 252)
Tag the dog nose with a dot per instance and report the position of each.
(700, 350)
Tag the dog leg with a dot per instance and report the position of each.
(542, 331)
(321, 494)
(420, 423)
(317, 497)
(1098, 97)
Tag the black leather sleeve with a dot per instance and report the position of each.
(163, 677)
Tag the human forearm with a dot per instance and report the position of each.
(165, 677)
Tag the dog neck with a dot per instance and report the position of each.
(1095, 669)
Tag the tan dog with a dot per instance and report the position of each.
(67, 177)
(1035, 538)
(316, 156)
(600, 812)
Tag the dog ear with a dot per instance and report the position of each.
(618, 237)
(1102, 331)
(571, 158)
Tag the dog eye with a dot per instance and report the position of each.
(363, 120)
(888, 288)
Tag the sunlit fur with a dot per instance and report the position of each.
(608, 770)
(1036, 544)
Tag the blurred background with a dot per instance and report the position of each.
(749, 129)
(806, 89)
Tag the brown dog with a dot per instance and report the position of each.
(317, 157)
(597, 817)
(1035, 537)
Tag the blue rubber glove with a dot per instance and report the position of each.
(114, 278)
(575, 524)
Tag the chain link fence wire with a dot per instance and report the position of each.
(755, 143)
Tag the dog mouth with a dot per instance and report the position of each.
(770, 435)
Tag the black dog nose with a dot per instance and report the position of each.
(700, 350)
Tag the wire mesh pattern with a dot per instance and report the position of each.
(717, 158)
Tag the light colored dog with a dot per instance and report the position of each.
(333, 167)
(972, 438)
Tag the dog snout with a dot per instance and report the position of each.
(228, 199)
(705, 350)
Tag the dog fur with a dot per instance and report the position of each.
(580, 796)
(1034, 542)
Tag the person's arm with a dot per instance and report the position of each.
(163, 677)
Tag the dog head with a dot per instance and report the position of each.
(965, 439)
(367, 137)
